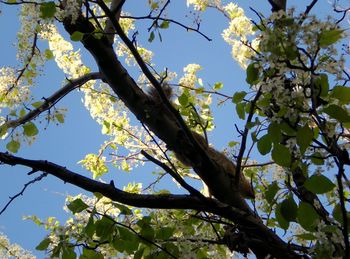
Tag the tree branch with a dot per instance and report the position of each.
(254, 230)
(52, 100)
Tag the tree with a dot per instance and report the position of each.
(295, 109)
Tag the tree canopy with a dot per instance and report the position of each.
(280, 188)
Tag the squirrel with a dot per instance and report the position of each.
(221, 159)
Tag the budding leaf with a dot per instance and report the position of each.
(164, 25)
(151, 37)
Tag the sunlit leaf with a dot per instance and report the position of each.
(77, 206)
(238, 96)
(329, 37)
(43, 245)
(13, 146)
(30, 129)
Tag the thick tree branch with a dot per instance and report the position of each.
(164, 120)
(277, 5)
(168, 125)
(255, 232)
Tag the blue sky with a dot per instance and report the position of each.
(68, 143)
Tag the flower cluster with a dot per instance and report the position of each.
(201, 5)
(8, 250)
(237, 34)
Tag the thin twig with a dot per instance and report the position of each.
(37, 179)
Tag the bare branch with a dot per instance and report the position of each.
(37, 179)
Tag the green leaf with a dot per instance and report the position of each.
(165, 233)
(47, 10)
(68, 253)
(264, 144)
(252, 74)
(104, 228)
(77, 36)
(289, 209)
(48, 54)
(271, 191)
(123, 209)
(240, 110)
(77, 206)
(22, 112)
(281, 155)
(319, 184)
(37, 104)
(183, 100)
(329, 37)
(30, 129)
(3, 130)
(90, 227)
(151, 37)
(337, 213)
(126, 242)
(338, 113)
(291, 52)
(321, 83)
(304, 138)
(44, 244)
(342, 93)
(164, 25)
(59, 117)
(306, 236)
(13, 146)
(317, 158)
(238, 97)
(275, 132)
(218, 86)
(307, 216)
(284, 224)
(90, 254)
